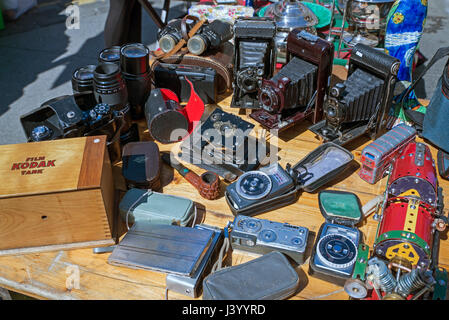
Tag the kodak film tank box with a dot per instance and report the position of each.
(55, 195)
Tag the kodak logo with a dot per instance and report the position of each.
(36, 163)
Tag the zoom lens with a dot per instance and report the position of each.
(109, 86)
(111, 54)
(135, 66)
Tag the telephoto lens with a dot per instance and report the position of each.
(135, 67)
(211, 36)
(111, 54)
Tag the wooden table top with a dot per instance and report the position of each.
(49, 275)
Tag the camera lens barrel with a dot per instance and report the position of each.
(109, 85)
(83, 79)
(135, 66)
(135, 59)
(111, 54)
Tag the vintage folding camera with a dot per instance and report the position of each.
(173, 77)
(222, 144)
(335, 250)
(263, 236)
(73, 116)
(254, 58)
(361, 103)
(297, 91)
(272, 187)
(191, 286)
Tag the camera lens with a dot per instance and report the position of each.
(109, 85)
(111, 54)
(41, 133)
(135, 59)
(83, 79)
(196, 45)
(135, 64)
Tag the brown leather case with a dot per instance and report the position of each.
(141, 165)
(220, 59)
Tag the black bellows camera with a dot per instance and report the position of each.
(361, 103)
(253, 59)
(69, 116)
(297, 91)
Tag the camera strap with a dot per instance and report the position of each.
(441, 53)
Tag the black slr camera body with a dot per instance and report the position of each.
(71, 116)
(361, 103)
(254, 58)
(298, 89)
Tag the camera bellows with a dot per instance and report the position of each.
(292, 87)
(354, 100)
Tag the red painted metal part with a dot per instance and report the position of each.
(405, 165)
(395, 218)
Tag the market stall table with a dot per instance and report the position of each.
(81, 274)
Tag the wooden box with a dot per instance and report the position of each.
(55, 195)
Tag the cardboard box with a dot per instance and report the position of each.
(55, 195)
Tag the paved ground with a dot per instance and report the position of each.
(38, 54)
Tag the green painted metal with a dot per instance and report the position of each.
(406, 236)
(361, 262)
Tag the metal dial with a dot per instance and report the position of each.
(337, 251)
(254, 185)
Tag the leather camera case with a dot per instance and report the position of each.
(173, 77)
(157, 208)
(221, 60)
(141, 165)
(269, 277)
